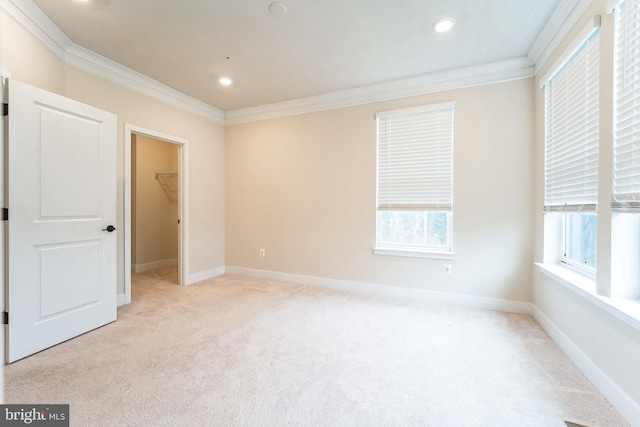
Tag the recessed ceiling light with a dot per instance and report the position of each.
(443, 25)
(225, 81)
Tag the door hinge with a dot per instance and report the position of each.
(5, 318)
(5, 214)
(5, 109)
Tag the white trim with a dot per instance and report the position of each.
(141, 268)
(49, 34)
(421, 109)
(83, 59)
(31, 17)
(183, 210)
(34, 20)
(205, 275)
(625, 310)
(183, 203)
(3, 227)
(622, 403)
(122, 300)
(86, 60)
(479, 75)
(612, 5)
(585, 33)
(127, 214)
(412, 294)
(558, 26)
(414, 253)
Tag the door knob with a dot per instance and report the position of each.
(110, 228)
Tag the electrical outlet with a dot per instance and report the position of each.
(263, 253)
(447, 269)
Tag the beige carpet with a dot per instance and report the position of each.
(236, 351)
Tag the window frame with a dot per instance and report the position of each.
(557, 205)
(625, 188)
(617, 288)
(433, 201)
(626, 179)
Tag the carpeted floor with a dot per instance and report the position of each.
(237, 351)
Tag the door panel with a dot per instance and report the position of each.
(61, 289)
(57, 178)
(61, 197)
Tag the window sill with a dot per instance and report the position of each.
(625, 310)
(414, 253)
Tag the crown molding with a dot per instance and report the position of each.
(27, 14)
(558, 26)
(458, 78)
(568, 12)
(83, 59)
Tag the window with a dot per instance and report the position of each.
(571, 150)
(570, 222)
(626, 164)
(415, 179)
(625, 204)
(580, 233)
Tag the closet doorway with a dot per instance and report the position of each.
(156, 192)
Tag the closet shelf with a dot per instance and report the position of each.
(169, 183)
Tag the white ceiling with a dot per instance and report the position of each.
(318, 47)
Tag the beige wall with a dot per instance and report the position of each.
(154, 209)
(303, 188)
(610, 344)
(206, 163)
(25, 59)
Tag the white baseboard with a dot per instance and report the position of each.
(390, 291)
(122, 300)
(205, 275)
(141, 268)
(627, 408)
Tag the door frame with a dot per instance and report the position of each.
(183, 203)
(3, 224)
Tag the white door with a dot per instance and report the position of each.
(61, 199)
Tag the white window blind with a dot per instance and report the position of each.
(571, 131)
(415, 159)
(626, 162)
